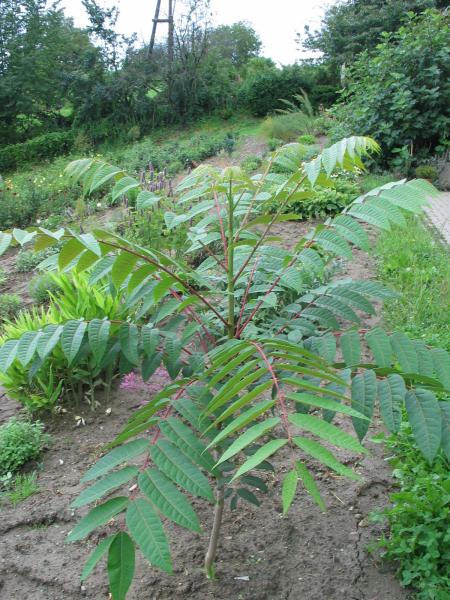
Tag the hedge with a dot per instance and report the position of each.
(36, 149)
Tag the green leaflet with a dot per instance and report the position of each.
(326, 431)
(97, 516)
(8, 353)
(72, 338)
(105, 486)
(171, 356)
(391, 395)
(351, 348)
(129, 339)
(5, 241)
(69, 252)
(147, 531)
(122, 267)
(259, 456)
(425, 417)
(242, 401)
(168, 499)
(116, 457)
(288, 489)
(98, 335)
(248, 437)
(102, 175)
(379, 343)
(150, 364)
(310, 484)
(27, 346)
(48, 340)
(326, 404)
(325, 346)
(124, 185)
(150, 339)
(181, 435)
(228, 391)
(121, 562)
(441, 363)
(243, 419)
(364, 392)
(96, 555)
(405, 352)
(173, 463)
(324, 456)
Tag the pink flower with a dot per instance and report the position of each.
(133, 382)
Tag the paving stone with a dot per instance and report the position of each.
(438, 214)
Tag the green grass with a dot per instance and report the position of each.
(22, 487)
(415, 263)
(370, 181)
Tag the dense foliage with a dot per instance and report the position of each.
(261, 347)
(20, 442)
(400, 93)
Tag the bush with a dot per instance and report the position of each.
(28, 260)
(399, 94)
(286, 127)
(425, 172)
(35, 150)
(274, 143)
(419, 539)
(251, 163)
(10, 304)
(41, 286)
(307, 139)
(20, 442)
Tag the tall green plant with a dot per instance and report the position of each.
(250, 339)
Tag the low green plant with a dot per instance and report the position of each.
(426, 172)
(369, 181)
(27, 260)
(22, 487)
(307, 139)
(10, 304)
(419, 535)
(274, 143)
(3, 276)
(41, 287)
(251, 163)
(35, 150)
(260, 348)
(286, 127)
(20, 442)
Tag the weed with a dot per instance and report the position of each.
(22, 487)
(9, 306)
(20, 442)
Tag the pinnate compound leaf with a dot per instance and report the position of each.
(259, 456)
(173, 463)
(326, 431)
(97, 516)
(324, 456)
(121, 564)
(310, 484)
(288, 489)
(105, 486)
(147, 531)
(72, 338)
(116, 457)
(96, 555)
(425, 417)
(247, 438)
(168, 499)
(364, 392)
(391, 395)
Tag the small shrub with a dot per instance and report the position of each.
(425, 172)
(41, 286)
(307, 139)
(134, 133)
(10, 304)
(274, 143)
(251, 163)
(27, 260)
(286, 127)
(20, 442)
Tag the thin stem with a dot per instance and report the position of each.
(215, 532)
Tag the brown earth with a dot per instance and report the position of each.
(307, 555)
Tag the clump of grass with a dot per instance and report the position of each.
(10, 305)
(416, 264)
(22, 487)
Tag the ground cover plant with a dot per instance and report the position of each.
(417, 266)
(20, 442)
(249, 339)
